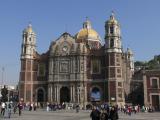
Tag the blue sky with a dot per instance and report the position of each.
(139, 19)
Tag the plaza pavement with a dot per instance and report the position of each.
(72, 115)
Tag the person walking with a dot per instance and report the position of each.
(14, 109)
(30, 107)
(95, 114)
(20, 107)
(113, 114)
(3, 106)
(77, 108)
(34, 106)
(9, 110)
(104, 115)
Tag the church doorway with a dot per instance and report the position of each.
(40, 97)
(155, 102)
(64, 94)
(95, 95)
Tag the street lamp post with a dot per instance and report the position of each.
(2, 76)
(2, 80)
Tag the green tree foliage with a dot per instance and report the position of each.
(139, 63)
(154, 63)
(151, 64)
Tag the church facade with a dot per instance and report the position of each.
(77, 69)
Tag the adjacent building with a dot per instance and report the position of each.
(151, 81)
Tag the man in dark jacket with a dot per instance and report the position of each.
(95, 114)
(113, 114)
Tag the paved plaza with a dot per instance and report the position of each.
(72, 115)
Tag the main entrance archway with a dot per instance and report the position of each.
(95, 94)
(64, 94)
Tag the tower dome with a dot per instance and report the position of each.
(112, 19)
(28, 29)
(129, 51)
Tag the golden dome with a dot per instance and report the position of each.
(87, 33)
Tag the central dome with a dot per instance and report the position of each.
(87, 32)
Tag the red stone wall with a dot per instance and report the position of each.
(35, 65)
(149, 74)
(112, 59)
(22, 76)
(112, 89)
(28, 76)
(21, 91)
(28, 65)
(23, 65)
(34, 76)
(28, 92)
(112, 72)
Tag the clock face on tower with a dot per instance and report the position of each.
(65, 48)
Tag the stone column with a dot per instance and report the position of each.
(74, 94)
(85, 92)
(55, 93)
(71, 93)
(145, 90)
(116, 92)
(58, 94)
(32, 82)
(51, 93)
(77, 95)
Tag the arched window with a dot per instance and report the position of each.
(95, 66)
(112, 42)
(111, 30)
(41, 69)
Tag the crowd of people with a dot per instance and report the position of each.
(130, 109)
(7, 107)
(98, 112)
(104, 113)
(109, 112)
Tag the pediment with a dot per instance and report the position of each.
(62, 45)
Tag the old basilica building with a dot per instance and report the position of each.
(77, 68)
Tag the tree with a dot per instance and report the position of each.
(139, 63)
(151, 64)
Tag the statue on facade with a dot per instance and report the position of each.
(4, 93)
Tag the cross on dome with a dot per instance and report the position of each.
(87, 24)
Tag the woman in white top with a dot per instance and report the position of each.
(3, 105)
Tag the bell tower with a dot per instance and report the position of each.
(29, 43)
(113, 35)
(113, 51)
(27, 72)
